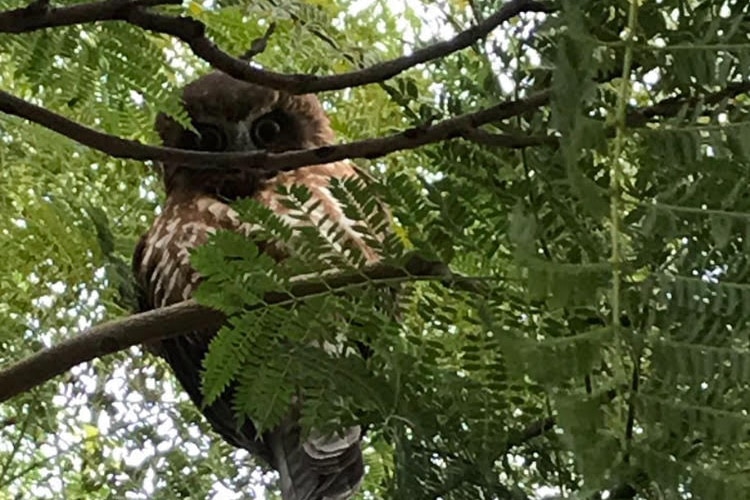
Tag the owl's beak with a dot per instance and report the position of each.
(243, 140)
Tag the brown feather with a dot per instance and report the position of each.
(320, 467)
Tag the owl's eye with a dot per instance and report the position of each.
(211, 137)
(266, 129)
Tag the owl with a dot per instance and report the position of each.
(232, 115)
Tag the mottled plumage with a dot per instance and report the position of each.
(234, 115)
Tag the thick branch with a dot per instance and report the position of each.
(466, 126)
(270, 163)
(177, 319)
(192, 32)
(39, 15)
(101, 340)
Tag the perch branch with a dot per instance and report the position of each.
(103, 339)
(120, 334)
(193, 33)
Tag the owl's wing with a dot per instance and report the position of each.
(318, 468)
(156, 263)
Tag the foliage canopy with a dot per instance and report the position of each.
(608, 350)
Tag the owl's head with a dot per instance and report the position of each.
(232, 115)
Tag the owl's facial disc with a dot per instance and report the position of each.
(273, 131)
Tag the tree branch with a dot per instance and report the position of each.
(534, 429)
(39, 15)
(470, 472)
(531, 431)
(193, 33)
(673, 105)
(259, 44)
(118, 335)
(512, 141)
(7, 422)
(118, 147)
(462, 126)
(101, 340)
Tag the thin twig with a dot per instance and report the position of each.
(193, 33)
(531, 431)
(15, 447)
(534, 429)
(673, 105)
(7, 422)
(471, 472)
(259, 44)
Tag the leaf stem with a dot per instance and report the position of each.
(616, 172)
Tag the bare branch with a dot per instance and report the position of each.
(465, 126)
(39, 15)
(103, 339)
(267, 162)
(512, 141)
(531, 431)
(635, 118)
(177, 319)
(462, 126)
(192, 32)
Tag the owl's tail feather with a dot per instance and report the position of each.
(321, 467)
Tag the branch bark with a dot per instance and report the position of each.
(512, 141)
(193, 33)
(463, 126)
(120, 334)
(39, 16)
(269, 163)
(101, 340)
